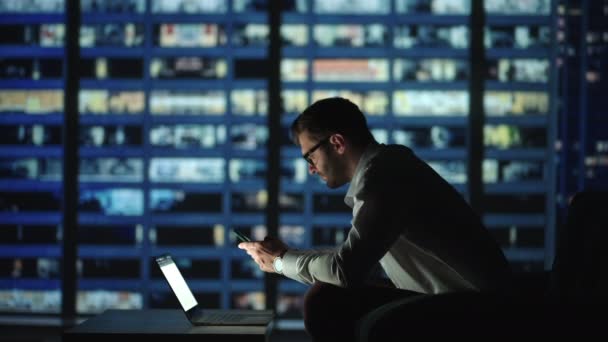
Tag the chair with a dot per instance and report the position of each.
(578, 284)
(580, 269)
(563, 301)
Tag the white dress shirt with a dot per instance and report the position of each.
(415, 224)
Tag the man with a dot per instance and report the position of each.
(406, 217)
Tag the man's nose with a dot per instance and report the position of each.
(312, 169)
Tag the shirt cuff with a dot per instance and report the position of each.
(290, 260)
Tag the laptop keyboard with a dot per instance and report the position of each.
(221, 317)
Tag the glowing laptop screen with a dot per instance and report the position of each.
(177, 283)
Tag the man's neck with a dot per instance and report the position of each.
(353, 160)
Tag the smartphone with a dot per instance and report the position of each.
(241, 237)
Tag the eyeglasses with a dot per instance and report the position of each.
(306, 155)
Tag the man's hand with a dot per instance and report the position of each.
(264, 252)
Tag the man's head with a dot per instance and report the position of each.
(332, 133)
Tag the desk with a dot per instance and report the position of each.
(159, 325)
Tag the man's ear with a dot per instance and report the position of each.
(338, 142)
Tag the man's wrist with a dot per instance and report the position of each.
(277, 264)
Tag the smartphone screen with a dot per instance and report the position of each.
(241, 237)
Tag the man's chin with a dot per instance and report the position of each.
(333, 184)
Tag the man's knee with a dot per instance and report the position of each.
(322, 305)
(320, 295)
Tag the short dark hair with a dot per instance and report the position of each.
(333, 115)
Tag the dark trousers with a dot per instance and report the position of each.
(330, 312)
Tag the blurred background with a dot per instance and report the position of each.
(174, 136)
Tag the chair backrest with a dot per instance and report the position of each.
(580, 268)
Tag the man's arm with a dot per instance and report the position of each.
(379, 210)
(375, 228)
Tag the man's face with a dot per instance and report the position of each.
(323, 159)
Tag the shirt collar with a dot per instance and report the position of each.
(370, 151)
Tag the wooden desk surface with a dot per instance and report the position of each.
(153, 324)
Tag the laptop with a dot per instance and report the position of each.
(198, 315)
